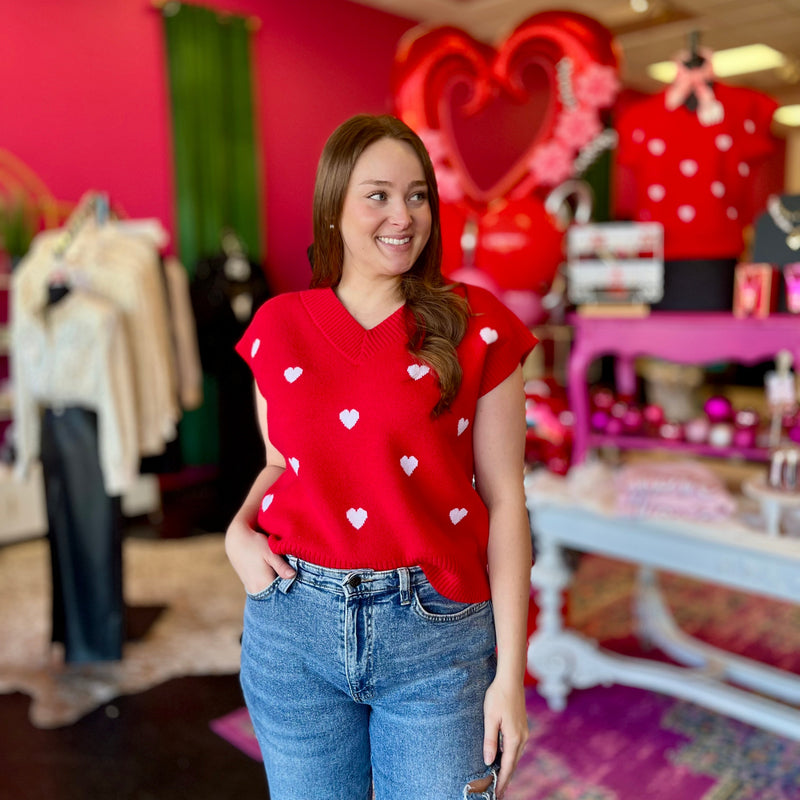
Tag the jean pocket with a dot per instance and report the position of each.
(435, 607)
(267, 592)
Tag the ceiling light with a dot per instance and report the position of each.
(640, 6)
(788, 115)
(736, 61)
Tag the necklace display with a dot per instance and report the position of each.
(786, 220)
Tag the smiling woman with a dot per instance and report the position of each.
(370, 516)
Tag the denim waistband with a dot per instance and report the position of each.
(362, 581)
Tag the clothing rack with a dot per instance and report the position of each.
(93, 421)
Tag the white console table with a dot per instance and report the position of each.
(733, 555)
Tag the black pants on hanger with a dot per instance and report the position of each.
(85, 532)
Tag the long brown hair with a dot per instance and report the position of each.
(440, 316)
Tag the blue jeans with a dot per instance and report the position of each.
(360, 681)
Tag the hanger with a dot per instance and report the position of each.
(93, 205)
(694, 61)
(236, 266)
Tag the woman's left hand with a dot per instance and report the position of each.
(505, 719)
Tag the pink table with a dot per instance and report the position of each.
(683, 337)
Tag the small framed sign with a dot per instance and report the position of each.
(616, 263)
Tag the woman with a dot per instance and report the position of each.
(380, 578)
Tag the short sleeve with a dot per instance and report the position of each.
(507, 341)
(254, 344)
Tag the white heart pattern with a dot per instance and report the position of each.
(409, 464)
(356, 517)
(295, 465)
(417, 371)
(292, 373)
(349, 417)
(266, 502)
(254, 347)
(457, 514)
(488, 335)
(463, 424)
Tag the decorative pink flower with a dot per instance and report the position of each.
(551, 163)
(578, 126)
(450, 190)
(597, 86)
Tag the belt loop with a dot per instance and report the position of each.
(405, 586)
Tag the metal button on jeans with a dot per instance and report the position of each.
(355, 581)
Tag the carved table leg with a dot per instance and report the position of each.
(549, 577)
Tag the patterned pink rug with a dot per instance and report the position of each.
(619, 743)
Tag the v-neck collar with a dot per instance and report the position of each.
(344, 331)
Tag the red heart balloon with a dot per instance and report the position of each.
(504, 120)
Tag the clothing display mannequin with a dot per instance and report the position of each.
(690, 152)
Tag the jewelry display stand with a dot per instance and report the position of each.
(777, 237)
(777, 234)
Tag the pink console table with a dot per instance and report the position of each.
(683, 337)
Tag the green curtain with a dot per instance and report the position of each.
(216, 161)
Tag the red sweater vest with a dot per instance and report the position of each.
(371, 479)
(695, 179)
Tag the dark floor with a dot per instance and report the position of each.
(151, 746)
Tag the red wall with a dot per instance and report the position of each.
(84, 101)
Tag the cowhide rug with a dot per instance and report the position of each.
(197, 633)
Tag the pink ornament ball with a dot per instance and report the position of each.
(697, 429)
(618, 409)
(671, 431)
(720, 435)
(653, 415)
(718, 409)
(746, 418)
(744, 437)
(599, 421)
(614, 426)
(632, 421)
(602, 399)
(794, 434)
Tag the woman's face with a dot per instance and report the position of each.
(386, 217)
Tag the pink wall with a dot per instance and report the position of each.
(84, 101)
